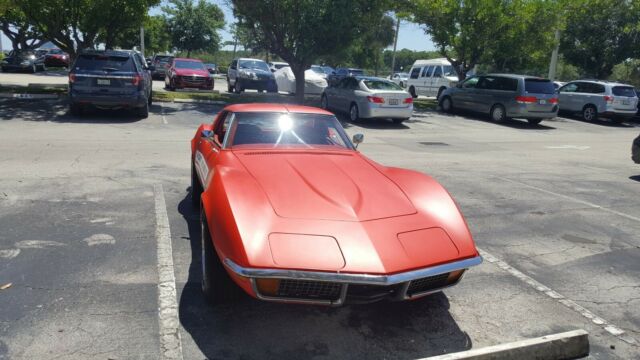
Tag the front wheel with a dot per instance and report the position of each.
(446, 104)
(401, 84)
(412, 91)
(143, 112)
(229, 87)
(590, 113)
(196, 188)
(354, 113)
(324, 102)
(498, 113)
(217, 286)
(237, 87)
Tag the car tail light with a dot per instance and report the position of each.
(72, 78)
(526, 99)
(137, 80)
(553, 101)
(608, 99)
(408, 100)
(375, 99)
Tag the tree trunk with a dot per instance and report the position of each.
(298, 72)
(188, 53)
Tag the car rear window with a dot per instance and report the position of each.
(105, 62)
(381, 85)
(539, 86)
(623, 91)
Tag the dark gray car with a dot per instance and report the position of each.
(504, 96)
(112, 79)
(30, 61)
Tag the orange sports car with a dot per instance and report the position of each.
(292, 212)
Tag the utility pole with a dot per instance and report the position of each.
(235, 43)
(142, 40)
(395, 45)
(553, 65)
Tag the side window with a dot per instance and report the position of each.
(437, 73)
(352, 84)
(427, 71)
(487, 83)
(569, 88)
(415, 72)
(583, 87)
(223, 126)
(506, 84)
(470, 83)
(598, 89)
(343, 83)
(234, 64)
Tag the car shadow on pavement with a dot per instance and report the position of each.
(249, 328)
(629, 123)
(512, 123)
(635, 178)
(380, 124)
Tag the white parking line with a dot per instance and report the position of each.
(164, 119)
(170, 342)
(608, 327)
(576, 200)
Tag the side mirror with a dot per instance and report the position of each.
(357, 139)
(206, 133)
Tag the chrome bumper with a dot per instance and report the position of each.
(404, 278)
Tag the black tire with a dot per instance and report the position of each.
(5, 70)
(196, 188)
(354, 112)
(324, 102)
(172, 86)
(401, 84)
(75, 109)
(399, 121)
(237, 88)
(217, 286)
(229, 87)
(498, 113)
(150, 100)
(439, 93)
(618, 120)
(534, 121)
(412, 91)
(143, 111)
(590, 113)
(446, 104)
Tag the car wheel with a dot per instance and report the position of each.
(324, 102)
(439, 93)
(412, 91)
(196, 188)
(446, 104)
(75, 109)
(150, 101)
(229, 87)
(217, 286)
(590, 113)
(4, 69)
(498, 113)
(618, 120)
(143, 112)
(534, 121)
(401, 84)
(237, 87)
(354, 113)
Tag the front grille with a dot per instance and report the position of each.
(429, 283)
(360, 293)
(195, 80)
(303, 289)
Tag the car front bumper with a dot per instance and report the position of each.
(340, 288)
(268, 85)
(371, 111)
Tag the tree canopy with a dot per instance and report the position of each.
(194, 26)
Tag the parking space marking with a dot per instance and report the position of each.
(170, 342)
(576, 200)
(164, 119)
(608, 327)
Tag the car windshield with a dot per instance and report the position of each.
(163, 59)
(56, 51)
(539, 86)
(254, 64)
(196, 65)
(623, 91)
(403, 75)
(381, 85)
(328, 70)
(105, 62)
(448, 70)
(277, 130)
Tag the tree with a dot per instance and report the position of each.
(14, 24)
(462, 30)
(194, 26)
(301, 31)
(157, 38)
(600, 34)
(367, 49)
(405, 58)
(121, 17)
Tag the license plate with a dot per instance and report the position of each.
(543, 102)
(393, 101)
(626, 102)
(104, 82)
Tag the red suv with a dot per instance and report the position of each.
(187, 73)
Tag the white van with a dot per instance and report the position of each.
(431, 77)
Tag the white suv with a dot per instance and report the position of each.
(595, 98)
(431, 77)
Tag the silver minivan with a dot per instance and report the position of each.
(504, 96)
(594, 99)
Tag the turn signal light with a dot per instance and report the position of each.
(375, 99)
(268, 286)
(526, 99)
(454, 276)
(72, 78)
(408, 101)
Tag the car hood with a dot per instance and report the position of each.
(192, 72)
(319, 185)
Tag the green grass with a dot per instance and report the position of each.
(425, 104)
(33, 89)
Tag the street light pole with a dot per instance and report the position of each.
(142, 40)
(553, 65)
(395, 45)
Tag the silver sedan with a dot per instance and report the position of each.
(368, 98)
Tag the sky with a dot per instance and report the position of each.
(411, 36)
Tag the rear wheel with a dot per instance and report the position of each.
(229, 87)
(75, 109)
(150, 101)
(412, 91)
(196, 188)
(324, 102)
(498, 113)
(237, 87)
(439, 93)
(217, 286)
(590, 113)
(534, 121)
(354, 113)
(446, 104)
(401, 84)
(143, 112)
(172, 85)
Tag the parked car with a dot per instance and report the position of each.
(286, 81)
(595, 98)
(212, 68)
(110, 79)
(400, 78)
(187, 73)
(290, 211)
(160, 64)
(56, 58)
(23, 61)
(323, 71)
(431, 77)
(365, 97)
(504, 96)
(341, 73)
(247, 73)
(277, 65)
(635, 150)
(558, 84)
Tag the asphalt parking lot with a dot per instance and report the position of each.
(554, 208)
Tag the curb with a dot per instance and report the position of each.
(568, 345)
(29, 96)
(212, 102)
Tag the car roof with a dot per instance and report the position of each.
(360, 77)
(605, 82)
(267, 107)
(516, 76)
(239, 59)
(107, 52)
(438, 61)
